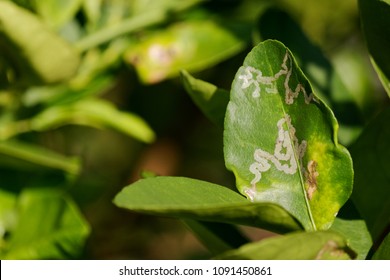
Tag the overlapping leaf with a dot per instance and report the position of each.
(295, 246)
(199, 200)
(280, 139)
(375, 15)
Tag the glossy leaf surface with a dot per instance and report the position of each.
(295, 246)
(199, 200)
(280, 139)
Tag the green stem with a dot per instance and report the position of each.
(132, 24)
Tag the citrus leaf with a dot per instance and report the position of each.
(280, 139)
(188, 45)
(375, 16)
(39, 55)
(216, 237)
(19, 153)
(356, 234)
(56, 13)
(371, 155)
(187, 198)
(320, 245)
(209, 98)
(95, 113)
(49, 226)
(383, 252)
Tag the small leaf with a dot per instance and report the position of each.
(356, 234)
(320, 245)
(49, 226)
(375, 17)
(383, 252)
(39, 55)
(188, 45)
(216, 237)
(56, 13)
(209, 98)
(96, 113)
(371, 155)
(187, 198)
(280, 139)
(13, 152)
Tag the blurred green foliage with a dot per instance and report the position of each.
(90, 97)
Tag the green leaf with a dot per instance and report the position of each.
(320, 245)
(356, 234)
(7, 214)
(96, 113)
(375, 17)
(371, 155)
(343, 83)
(49, 226)
(383, 252)
(216, 237)
(193, 45)
(56, 13)
(187, 198)
(18, 153)
(209, 98)
(280, 139)
(39, 55)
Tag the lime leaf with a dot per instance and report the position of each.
(187, 198)
(356, 234)
(320, 245)
(371, 162)
(95, 113)
(193, 45)
(49, 226)
(17, 153)
(216, 237)
(39, 55)
(280, 139)
(383, 252)
(375, 16)
(210, 99)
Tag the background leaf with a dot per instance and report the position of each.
(27, 43)
(191, 45)
(216, 237)
(280, 140)
(96, 113)
(16, 153)
(209, 98)
(199, 200)
(371, 155)
(295, 246)
(49, 226)
(375, 17)
(383, 252)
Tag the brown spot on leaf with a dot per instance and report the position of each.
(311, 178)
